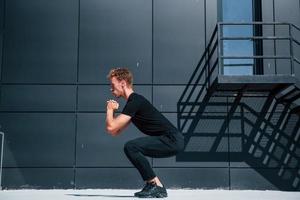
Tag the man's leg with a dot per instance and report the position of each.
(152, 146)
(158, 147)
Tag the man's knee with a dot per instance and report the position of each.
(130, 146)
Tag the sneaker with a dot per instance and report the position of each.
(152, 191)
(147, 185)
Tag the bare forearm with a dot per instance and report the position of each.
(110, 126)
(109, 118)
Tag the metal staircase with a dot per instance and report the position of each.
(208, 79)
(275, 126)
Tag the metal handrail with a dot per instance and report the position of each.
(292, 57)
(249, 57)
(256, 38)
(257, 23)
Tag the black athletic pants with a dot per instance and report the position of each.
(162, 146)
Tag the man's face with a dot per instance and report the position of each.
(116, 87)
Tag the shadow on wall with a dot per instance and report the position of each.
(253, 128)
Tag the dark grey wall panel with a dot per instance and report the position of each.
(237, 139)
(267, 10)
(268, 45)
(242, 130)
(2, 14)
(38, 178)
(286, 11)
(265, 179)
(174, 162)
(94, 97)
(41, 41)
(211, 17)
(38, 140)
(211, 123)
(1, 45)
(297, 70)
(108, 178)
(1, 34)
(195, 144)
(38, 98)
(297, 51)
(250, 104)
(206, 178)
(207, 140)
(95, 147)
(166, 98)
(216, 104)
(283, 49)
(178, 39)
(115, 33)
(171, 177)
(281, 11)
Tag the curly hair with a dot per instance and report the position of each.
(121, 74)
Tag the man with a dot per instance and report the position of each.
(163, 139)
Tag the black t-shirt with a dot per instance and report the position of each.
(146, 117)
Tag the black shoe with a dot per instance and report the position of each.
(147, 185)
(152, 191)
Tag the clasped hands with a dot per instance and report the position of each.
(112, 105)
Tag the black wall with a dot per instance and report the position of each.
(56, 55)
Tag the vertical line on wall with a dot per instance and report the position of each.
(76, 109)
(152, 48)
(228, 142)
(152, 56)
(274, 32)
(205, 35)
(2, 47)
(205, 24)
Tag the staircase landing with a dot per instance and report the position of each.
(253, 82)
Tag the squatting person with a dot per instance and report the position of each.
(162, 140)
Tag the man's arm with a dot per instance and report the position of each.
(114, 125)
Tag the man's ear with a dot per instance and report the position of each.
(123, 83)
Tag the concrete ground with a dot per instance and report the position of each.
(128, 194)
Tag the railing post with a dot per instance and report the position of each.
(219, 49)
(291, 50)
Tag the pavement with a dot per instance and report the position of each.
(178, 194)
